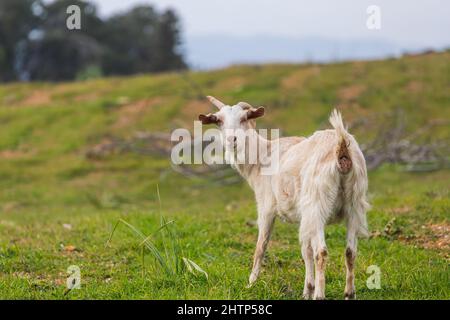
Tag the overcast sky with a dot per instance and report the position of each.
(405, 22)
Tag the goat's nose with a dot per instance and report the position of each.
(232, 139)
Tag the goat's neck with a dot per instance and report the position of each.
(252, 171)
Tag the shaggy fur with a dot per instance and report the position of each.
(321, 179)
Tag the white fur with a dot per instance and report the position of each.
(308, 189)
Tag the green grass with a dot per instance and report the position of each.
(46, 182)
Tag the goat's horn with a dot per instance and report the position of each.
(245, 105)
(216, 102)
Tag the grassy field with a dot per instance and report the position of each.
(58, 208)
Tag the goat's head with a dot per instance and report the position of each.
(232, 120)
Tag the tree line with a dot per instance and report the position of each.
(35, 43)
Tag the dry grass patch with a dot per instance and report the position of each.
(434, 236)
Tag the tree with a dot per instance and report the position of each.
(130, 39)
(35, 43)
(141, 41)
(17, 19)
(168, 43)
(59, 57)
(59, 53)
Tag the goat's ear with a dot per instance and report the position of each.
(254, 113)
(208, 119)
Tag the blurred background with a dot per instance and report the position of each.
(128, 37)
(86, 118)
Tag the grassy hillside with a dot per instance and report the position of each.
(58, 207)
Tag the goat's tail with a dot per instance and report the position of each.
(344, 161)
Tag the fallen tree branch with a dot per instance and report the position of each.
(391, 144)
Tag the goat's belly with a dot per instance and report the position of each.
(286, 197)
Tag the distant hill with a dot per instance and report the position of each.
(57, 119)
(216, 51)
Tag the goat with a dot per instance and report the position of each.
(320, 179)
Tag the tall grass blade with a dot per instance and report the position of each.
(147, 243)
(191, 265)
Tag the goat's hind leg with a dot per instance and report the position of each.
(312, 232)
(320, 258)
(350, 257)
(355, 210)
(308, 258)
(265, 224)
(316, 211)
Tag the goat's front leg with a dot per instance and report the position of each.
(265, 224)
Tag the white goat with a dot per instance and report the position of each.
(321, 179)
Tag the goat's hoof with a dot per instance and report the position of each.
(307, 296)
(252, 279)
(250, 284)
(319, 295)
(319, 298)
(308, 291)
(350, 295)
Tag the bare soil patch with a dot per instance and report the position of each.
(37, 98)
(13, 154)
(231, 84)
(130, 113)
(351, 93)
(414, 87)
(297, 79)
(190, 111)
